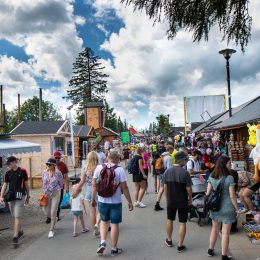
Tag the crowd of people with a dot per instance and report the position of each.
(104, 180)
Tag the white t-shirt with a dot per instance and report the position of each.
(76, 204)
(192, 165)
(120, 177)
(107, 145)
(101, 158)
(167, 161)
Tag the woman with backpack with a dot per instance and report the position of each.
(86, 178)
(228, 210)
(140, 179)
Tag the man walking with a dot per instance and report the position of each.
(110, 203)
(18, 194)
(177, 185)
(62, 167)
(193, 165)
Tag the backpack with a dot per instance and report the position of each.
(213, 200)
(106, 186)
(159, 164)
(133, 167)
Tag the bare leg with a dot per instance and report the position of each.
(75, 222)
(214, 234)
(17, 226)
(242, 198)
(137, 189)
(169, 229)
(182, 233)
(114, 235)
(155, 182)
(225, 238)
(82, 222)
(247, 197)
(159, 196)
(92, 215)
(103, 230)
(142, 190)
(98, 218)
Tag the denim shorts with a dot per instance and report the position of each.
(110, 212)
(77, 213)
(89, 194)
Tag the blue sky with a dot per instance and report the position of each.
(149, 74)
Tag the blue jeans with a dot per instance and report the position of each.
(110, 212)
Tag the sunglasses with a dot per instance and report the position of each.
(49, 164)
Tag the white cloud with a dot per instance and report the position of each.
(150, 67)
(102, 28)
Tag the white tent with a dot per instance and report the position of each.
(10, 146)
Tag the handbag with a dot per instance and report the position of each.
(9, 196)
(213, 200)
(43, 200)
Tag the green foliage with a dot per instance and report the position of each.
(30, 112)
(163, 125)
(88, 82)
(79, 118)
(199, 16)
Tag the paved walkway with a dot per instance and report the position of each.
(142, 237)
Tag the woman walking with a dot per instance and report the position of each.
(139, 179)
(53, 182)
(146, 158)
(86, 178)
(229, 208)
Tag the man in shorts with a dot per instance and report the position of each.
(17, 180)
(177, 185)
(111, 208)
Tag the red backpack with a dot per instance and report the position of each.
(106, 186)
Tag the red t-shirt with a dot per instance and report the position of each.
(62, 167)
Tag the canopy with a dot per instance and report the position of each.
(10, 146)
(134, 132)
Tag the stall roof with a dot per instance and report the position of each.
(216, 120)
(104, 131)
(38, 127)
(82, 130)
(10, 146)
(249, 113)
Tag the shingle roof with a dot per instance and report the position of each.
(249, 113)
(103, 131)
(82, 130)
(39, 127)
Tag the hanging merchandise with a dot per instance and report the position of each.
(255, 154)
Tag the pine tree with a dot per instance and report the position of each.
(88, 82)
(120, 125)
(125, 125)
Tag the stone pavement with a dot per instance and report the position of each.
(142, 236)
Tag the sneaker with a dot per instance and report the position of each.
(101, 248)
(20, 234)
(116, 252)
(51, 234)
(15, 241)
(156, 192)
(168, 243)
(142, 205)
(136, 204)
(211, 252)
(181, 249)
(226, 257)
(157, 207)
(48, 221)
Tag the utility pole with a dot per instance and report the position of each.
(40, 105)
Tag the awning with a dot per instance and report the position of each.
(10, 146)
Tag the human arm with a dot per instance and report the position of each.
(81, 184)
(189, 191)
(83, 205)
(94, 193)
(188, 188)
(3, 190)
(209, 188)
(66, 178)
(27, 198)
(141, 167)
(126, 192)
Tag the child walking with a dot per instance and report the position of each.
(77, 209)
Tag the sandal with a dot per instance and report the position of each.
(85, 230)
(75, 234)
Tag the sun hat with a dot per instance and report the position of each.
(181, 156)
(51, 161)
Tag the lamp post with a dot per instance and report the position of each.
(227, 55)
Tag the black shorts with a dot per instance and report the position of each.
(255, 187)
(182, 214)
(146, 171)
(138, 177)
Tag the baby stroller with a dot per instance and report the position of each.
(197, 209)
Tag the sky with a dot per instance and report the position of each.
(149, 74)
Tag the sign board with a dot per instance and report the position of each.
(93, 117)
(125, 136)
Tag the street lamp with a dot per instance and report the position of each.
(227, 55)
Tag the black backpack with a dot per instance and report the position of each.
(213, 200)
(133, 167)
